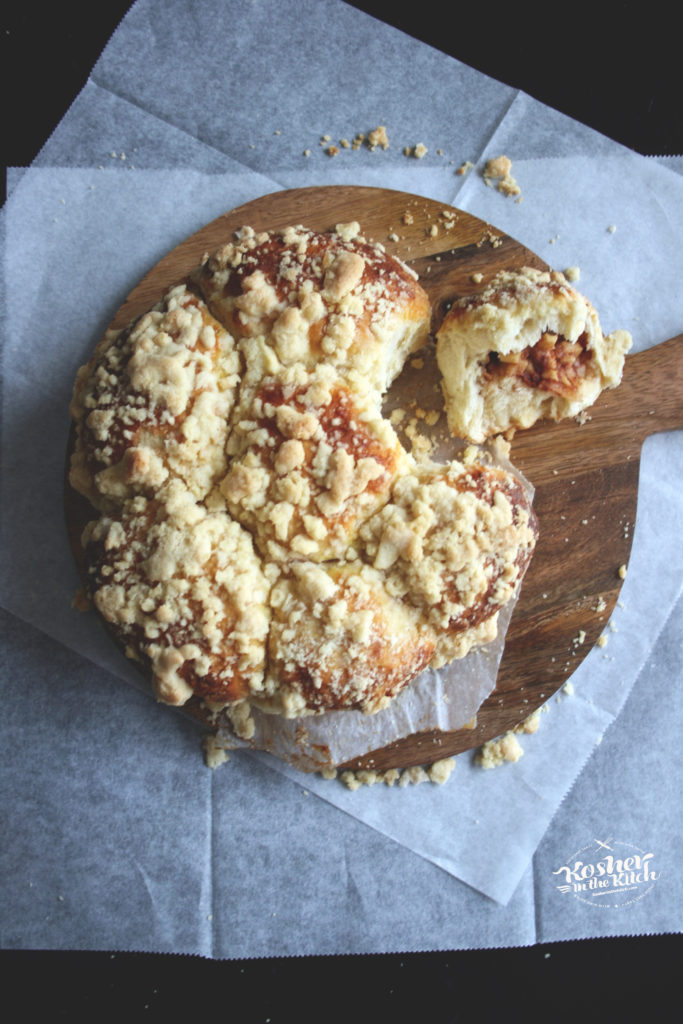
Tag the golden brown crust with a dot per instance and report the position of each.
(263, 536)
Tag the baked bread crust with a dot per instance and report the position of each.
(527, 347)
(263, 537)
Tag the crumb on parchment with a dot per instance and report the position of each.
(498, 170)
(438, 772)
(507, 747)
(214, 755)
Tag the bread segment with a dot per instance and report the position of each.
(527, 347)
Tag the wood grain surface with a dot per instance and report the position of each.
(585, 476)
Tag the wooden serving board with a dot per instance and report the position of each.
(585, 477)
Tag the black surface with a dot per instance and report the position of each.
(617, 71)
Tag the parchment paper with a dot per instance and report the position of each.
(117, 837)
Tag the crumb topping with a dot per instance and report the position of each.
(263, 537)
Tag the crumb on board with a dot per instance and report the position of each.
(572, 274)
(621, 572)
(465, 167)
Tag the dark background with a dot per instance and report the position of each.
(615, 67)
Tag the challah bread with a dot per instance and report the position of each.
(527, 347)
(263, 537)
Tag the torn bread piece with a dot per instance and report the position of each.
(527, 347)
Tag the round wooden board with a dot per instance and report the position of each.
(585, 477)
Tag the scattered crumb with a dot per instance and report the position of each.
(438, 772)
(621, 572)
(496, 752)
(419, 151)
(531, 723)
(568, 689)
(413, 776)
(572, 273)
(600, 605)
(465, 167)
(332, 150)
(213, 754)
(498, 170)
(489, 236)
(329, 772)
(378, 137)
(476, 278)
(602, 641)
(612, 228)
(407, 217)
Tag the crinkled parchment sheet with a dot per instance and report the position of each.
(445, 699)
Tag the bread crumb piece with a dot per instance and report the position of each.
(413, 776)
(531, 723)
(214, 755)
(495, 752)
(332, 150)
(621, 572)
(438, 772)
(568, 689)
(612, 228)
(498, 169)
(464, 167)
(602, 640)
(419, 151)
(378, 137)
(441, 771)
(476, 278)
(572, 273)
(328, 772)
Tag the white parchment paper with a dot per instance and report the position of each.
(98, 762)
